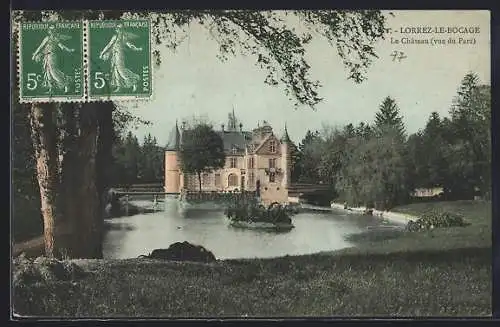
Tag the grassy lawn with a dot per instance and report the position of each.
(476, 235)
(443, 272)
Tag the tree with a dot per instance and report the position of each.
(434, 147)
(388, 117)
(202, 150)
(369, 164)
(151, 160)
(349, 130)
(125, 165)
(68, 163)
(310, 153)
(470, 153)
(333, 152)
(131, 159)
(266, 35)
(417, 166)
(375, 172)
(364, 130)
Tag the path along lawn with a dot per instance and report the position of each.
(442, 272)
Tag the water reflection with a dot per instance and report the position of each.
(128, 237)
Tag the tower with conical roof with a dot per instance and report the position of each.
(286, 161)
(285, 138)
(172, 169)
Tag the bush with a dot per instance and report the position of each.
(42, 269)
(436, 219)
(254, 212)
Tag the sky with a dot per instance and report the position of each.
(192, 81)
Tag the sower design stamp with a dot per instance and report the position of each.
(119, 60)
(51, 60)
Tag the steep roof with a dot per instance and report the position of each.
(286, 138)
(237, 139)
(261, 144)
(231, 137)
(174, 139)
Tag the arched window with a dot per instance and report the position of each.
(232, 180)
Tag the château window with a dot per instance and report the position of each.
(233, 163)
(251, 179)
(272, 146)
(272, 163)
(250, 163)
(206, 179)
(272, 177)
(232, 180)
(217, 180)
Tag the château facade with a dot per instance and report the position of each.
(252, 157)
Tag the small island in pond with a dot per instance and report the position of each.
(257, 216)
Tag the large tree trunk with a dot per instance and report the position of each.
(87, 237)
(96, 141)
(72, 196)
(103, 166)
(43, 132)
(70, 174)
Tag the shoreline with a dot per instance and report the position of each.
(449, 266)
(394, 217)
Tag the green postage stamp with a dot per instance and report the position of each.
(119, 60)
(77, 61)
(51, 61)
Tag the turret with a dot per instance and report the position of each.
(172, 170)
(286, 162)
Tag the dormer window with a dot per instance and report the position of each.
(234, 150)
(272, 146)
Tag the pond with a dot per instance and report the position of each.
(129, 237)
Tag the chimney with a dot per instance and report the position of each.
(222, 127)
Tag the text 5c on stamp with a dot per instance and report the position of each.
(119, 60)
(51, 61)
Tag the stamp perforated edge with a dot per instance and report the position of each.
(123, 98)
(16, 28)
(59, 99)
(85, 60)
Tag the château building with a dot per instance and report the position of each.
(252, 157)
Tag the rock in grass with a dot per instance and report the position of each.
(184, 251)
